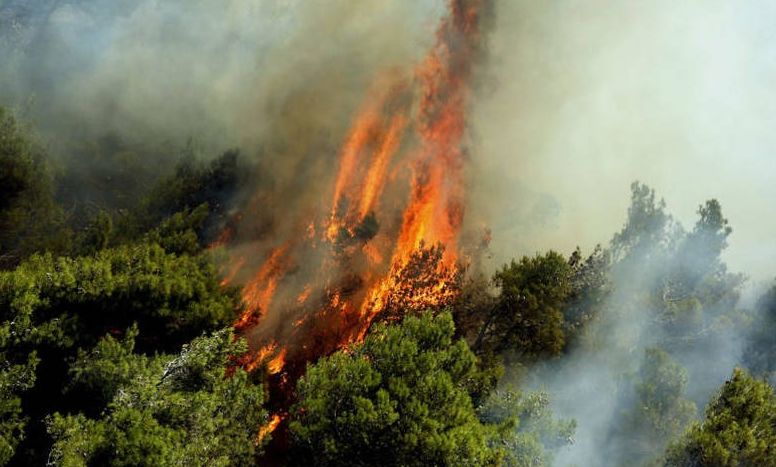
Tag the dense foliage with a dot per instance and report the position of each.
(164, 410)
(116, 347)
(739, 428)
(28, 213)
(403, 397)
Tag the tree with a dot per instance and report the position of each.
(760, 352)
(172, 298)
(30, 220)
(534, 434)
(14, 380)
(739, 428)
(193, 184)
(659, 412)
(402, 397)
(528, 316)
(51, 307)
(591, 286)
(97, 375)
(648, 230)
(185, 412)
(701, 249)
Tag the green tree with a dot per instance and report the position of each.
(649, 231)
(186, 412)
(739, 428)
(591, 286)
(30, 220)
(402, 397)
(535, 434)
(172, 298)
(98, 374)
(528, 316)
(193, 184)
(659, 412)
(760, 352)
(51, 307)
(14, 380)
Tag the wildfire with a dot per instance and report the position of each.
(388, 241)
(267, 429)
(258, 293)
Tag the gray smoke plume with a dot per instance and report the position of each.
(238, 73)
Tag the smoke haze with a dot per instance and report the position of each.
(234, 73)
(589, 95)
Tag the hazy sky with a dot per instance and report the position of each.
(589, 95)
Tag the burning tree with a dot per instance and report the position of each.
(388, 242)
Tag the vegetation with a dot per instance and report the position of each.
(739, 428)
(116, 345)
(403, 397)
(164, 410)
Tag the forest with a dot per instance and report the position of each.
(180, 287)
(118, 347)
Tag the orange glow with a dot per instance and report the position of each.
(233, 270)
(305, 294)
(386, 240)
(255, 360)
(258, 293)
(375, 178)
(269, 428)
(276, 364)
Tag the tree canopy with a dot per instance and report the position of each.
(164, 410)
(402, 397)
(739, 428)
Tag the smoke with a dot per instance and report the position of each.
(239, 73)
(587, 96)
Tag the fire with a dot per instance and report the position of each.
(375, 138)
(267, 429)
(387, 241)
(304, 295)
(375, 178)
(258, 293)
(276, 364)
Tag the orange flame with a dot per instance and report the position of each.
(388, 242)
(375, 178)
(258, 293)
(268, 428)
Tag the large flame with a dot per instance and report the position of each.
(388, 242)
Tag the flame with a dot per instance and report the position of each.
(387, 241)
(258, 293)
(233, 270)
(308, 289)
(276, 364)
(268, 428)
(375, 178)
(411, 125)
(365, 158)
